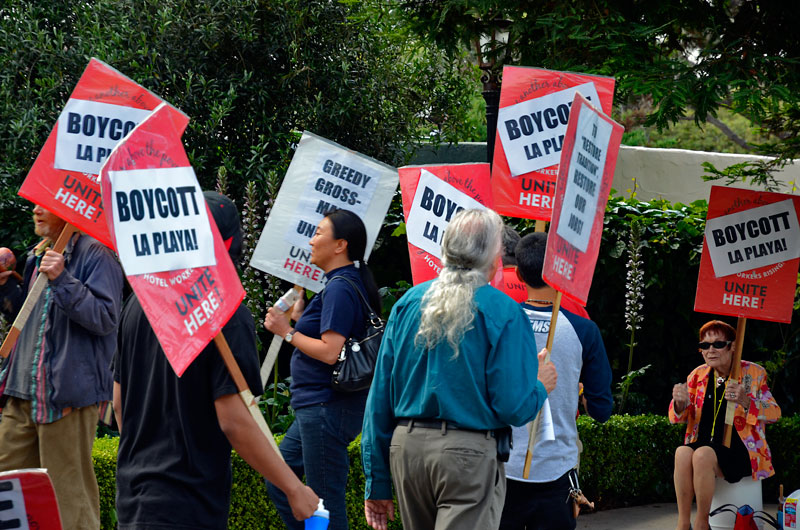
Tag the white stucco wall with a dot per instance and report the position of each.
(676, 174)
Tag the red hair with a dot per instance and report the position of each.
(722, 328)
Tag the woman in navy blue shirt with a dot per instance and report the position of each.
(326, 421)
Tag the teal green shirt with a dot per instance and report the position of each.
(491, 384)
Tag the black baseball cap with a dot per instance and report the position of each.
(227, 218)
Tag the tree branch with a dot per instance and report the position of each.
(735, 138)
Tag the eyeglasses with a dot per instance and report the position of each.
(718, 344)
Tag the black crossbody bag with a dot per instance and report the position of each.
(355, 366)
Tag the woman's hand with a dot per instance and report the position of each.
(277, 322)
(378, 513)
(735, 392)
(680, 397)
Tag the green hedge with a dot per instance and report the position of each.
(625, 461)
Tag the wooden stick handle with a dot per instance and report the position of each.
(244, 391)
(63, 238)
(9, 341)
(539, 225)
(34, 294)
(533, 427)
(553, 319)
(230, 362)
(735, 375)
(255, 412)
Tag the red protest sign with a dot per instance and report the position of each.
(28, 500)
(513, 286)
(746, 228)
(104, 106)
(591, 145)
(145, 178)
(531, 124)
(516, 289)
(431, 195)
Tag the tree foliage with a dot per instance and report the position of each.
(250, 74)
(693, 57)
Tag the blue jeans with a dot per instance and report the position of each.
(316, 446)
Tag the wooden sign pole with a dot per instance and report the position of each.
(244, 390)
(533, 427)
(734, 375)
(34, 294)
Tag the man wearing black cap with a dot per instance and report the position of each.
(176, 434)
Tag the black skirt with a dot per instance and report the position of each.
(734, 461)
(730, 460)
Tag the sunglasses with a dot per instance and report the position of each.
(718, 344)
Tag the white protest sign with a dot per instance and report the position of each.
(532, 132)
(584, 177)
(435, 203)
(547, 432)
(348, 185)
(322, 176)
(88, 132)
(753, 238)
(160, 220)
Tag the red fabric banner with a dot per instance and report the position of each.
(537, 134)
(185, 307)
(763, 293)
(104, 106)
(588, 160)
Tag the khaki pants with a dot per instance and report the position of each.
(64, 448)
(449, 480)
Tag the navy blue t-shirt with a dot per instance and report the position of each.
(336, 308)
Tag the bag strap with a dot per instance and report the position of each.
(767, 518)
(732, 508)
(371, 316)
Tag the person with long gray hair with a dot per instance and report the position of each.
(452, 375)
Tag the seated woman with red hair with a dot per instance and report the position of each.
(700, 403)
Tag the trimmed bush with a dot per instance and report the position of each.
(628, 459)
(625, 461)
(104, 455)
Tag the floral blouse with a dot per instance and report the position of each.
(748, 423)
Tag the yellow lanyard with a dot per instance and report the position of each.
(717, 406)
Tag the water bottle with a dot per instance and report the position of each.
(781, 501)
(288, 299)
(790, 510)
(320, 519)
